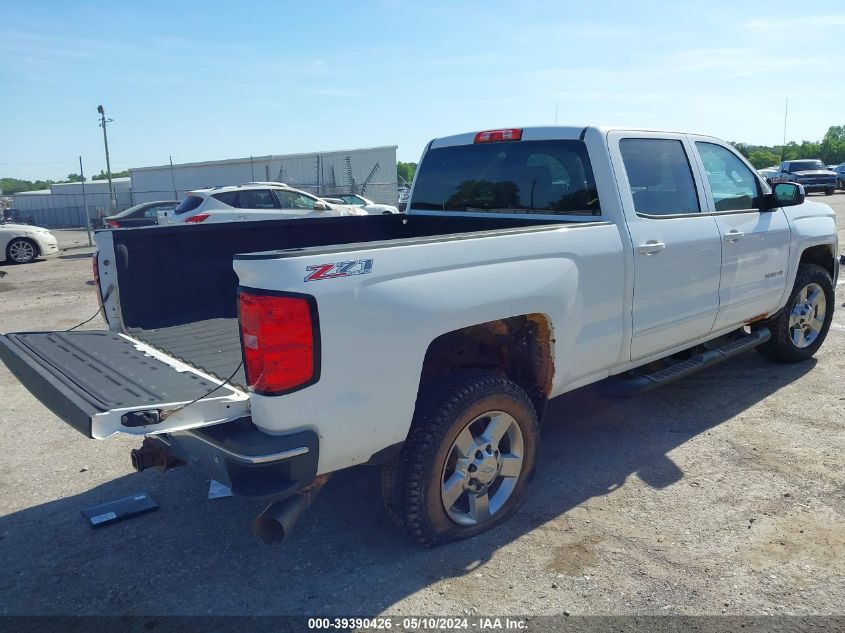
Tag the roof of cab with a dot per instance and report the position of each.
(549, 132)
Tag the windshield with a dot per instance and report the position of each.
(543, 177)
(806, 165)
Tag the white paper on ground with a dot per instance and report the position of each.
(216, 490)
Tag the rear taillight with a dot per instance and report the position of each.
(280, 340)
(196, 219)
(113, 224)
(493, 136)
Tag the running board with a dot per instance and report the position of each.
(622, 387)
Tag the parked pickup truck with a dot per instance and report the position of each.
(531, 262)
(813, 175)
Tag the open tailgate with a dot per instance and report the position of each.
(102, 383)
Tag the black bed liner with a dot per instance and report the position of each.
(212, 346)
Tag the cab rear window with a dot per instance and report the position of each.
(188, 204)
(538, 177)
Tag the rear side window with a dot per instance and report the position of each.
(538, 177)
(229, 198)
(256, 199)
(188, 204)
(660, 176)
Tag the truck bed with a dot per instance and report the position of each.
(178, 289)
(212, 345)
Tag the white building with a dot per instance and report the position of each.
(63, 205)
(369, 171)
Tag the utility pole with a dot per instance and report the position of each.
(783, 149)
(85, 203)
(103, 122)
(173, 180)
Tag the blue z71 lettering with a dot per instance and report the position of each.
(338, 269)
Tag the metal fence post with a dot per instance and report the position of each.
(85, 204)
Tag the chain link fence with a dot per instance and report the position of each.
(67, 211)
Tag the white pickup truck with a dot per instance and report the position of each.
(531, 262)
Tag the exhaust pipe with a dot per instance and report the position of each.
(278, 519)
(154, 454)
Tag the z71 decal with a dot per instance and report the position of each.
(339, 269)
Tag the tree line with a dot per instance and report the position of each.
(830, 150)
(10, 186)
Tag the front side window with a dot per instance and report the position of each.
(256, 199)
(295, 200)
(660, 176)
(733, 185)
(536, 177)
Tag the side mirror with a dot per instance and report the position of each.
(321, 206)
(785, 194)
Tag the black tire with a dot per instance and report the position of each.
(781, 348)
(830, 192)
(411, 483)
(14, 247)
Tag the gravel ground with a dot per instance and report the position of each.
(720, 494)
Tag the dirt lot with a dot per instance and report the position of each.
(721, 494)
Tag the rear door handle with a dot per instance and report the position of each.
(651, 247)
(734, 235)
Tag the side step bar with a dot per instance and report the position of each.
(622, 387)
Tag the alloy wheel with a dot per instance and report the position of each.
(21, 251)
(807, 316)
(482, 468)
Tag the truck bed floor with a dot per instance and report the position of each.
(212, 346)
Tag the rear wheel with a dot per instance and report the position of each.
(467, 461)
(830, 192)
(801, 327)
(21, 250)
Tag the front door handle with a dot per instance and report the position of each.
(734, 235)
(651, 247)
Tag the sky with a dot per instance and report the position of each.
(213, 80)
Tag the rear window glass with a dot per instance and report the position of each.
(539, 177)
(188, 204)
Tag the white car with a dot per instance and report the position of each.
(252, 201)
(22, 243)
(354, 200)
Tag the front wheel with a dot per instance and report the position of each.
(21, 251)
(467, 461)
(830, 191)
(801, 327)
